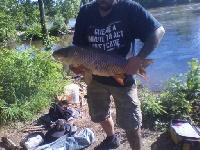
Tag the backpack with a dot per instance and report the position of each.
(58, 112)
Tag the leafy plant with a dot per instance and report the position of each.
(180, 99)
(58, 24)
(28, 83)
(152, 109)
(15, 17)
(151, 104)
(177, 94)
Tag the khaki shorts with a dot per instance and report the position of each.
(128, 112)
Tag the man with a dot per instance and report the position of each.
(113, 25)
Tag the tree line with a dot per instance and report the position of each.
(158, 3)
(18, 16)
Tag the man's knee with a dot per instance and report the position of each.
(136, 132)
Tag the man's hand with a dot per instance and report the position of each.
(134, 63)
(77, 70)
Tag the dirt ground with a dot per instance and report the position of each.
(152, 140)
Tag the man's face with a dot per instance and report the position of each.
(105, 5)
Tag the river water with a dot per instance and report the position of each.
(180, 44)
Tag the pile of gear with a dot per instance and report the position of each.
(59, 132)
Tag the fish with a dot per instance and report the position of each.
(97, 62)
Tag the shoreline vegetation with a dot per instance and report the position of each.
(27, 88)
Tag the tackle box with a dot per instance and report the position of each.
(184, 135)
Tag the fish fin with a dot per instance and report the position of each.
(119, 79)
(142, 72)
(87, 75)
(146, 63)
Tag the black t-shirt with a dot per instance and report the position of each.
(114, 32)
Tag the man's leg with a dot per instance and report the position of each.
(99, 109)
(111, 141)
(134, 138)
(128, 113)
(108, 126)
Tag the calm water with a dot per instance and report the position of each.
(180, 44)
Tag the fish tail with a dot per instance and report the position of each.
(142, 71)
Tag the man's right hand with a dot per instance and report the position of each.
(77, 70)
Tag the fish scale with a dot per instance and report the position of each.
(100, 62)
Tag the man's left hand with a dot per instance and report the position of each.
(134, 63)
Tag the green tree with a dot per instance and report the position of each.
(16, 16)
(69, 9)
(50, 7)
(8, 21)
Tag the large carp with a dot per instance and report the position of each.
(97, 62)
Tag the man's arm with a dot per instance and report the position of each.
(151, 43)
(134, 63)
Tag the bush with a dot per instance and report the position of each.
(177, 96)
(58, 25)
(33, 32)
(152, 109)
(28, 83)
(179, 100)
(151, 105)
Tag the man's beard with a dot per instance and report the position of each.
(105, 8)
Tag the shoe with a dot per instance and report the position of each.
(108, 144)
